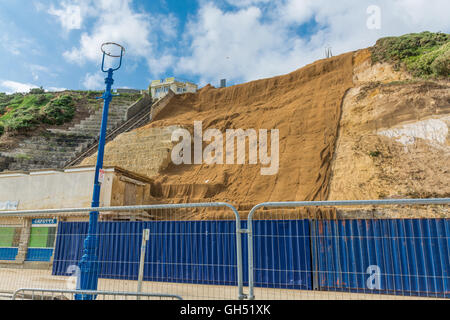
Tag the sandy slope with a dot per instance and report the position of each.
(348, 130)
(304, 106)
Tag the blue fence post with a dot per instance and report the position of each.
(314, 259)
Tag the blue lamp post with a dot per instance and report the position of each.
(89, 267)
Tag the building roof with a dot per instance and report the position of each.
(172, 80)
(120, 170)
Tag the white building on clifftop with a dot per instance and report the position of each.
(159, 89)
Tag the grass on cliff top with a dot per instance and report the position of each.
(425, 55)
(24, 112)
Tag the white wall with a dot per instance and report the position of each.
(173, 86)
(52, 189)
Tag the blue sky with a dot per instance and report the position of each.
(55, 44)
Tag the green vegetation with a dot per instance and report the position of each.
(24, 156)
(24, 112)
(425, 55)
(19, 112)
(8, 100)
(37, 91)
(58, 111)
(375, 154)
(4, 100)
(434, 63)
(95, 104)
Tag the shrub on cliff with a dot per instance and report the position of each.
(58, 111)
(24, 112)
(423, 54)
(37, 90)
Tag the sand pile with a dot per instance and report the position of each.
(305, 107)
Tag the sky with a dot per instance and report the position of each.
(56, 44)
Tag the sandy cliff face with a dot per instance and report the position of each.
(143, 151)
(347, 130)
(304, 106)
(393, 140)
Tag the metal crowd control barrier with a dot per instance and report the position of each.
(33, 294)
(199, 268)
(420, 281)
(327, 247)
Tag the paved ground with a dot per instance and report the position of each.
(13, 279)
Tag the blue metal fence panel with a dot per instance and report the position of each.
(39, 254)
(412, 256)
(282, 254)
(8, 254)
(69, 247)
(201, 252)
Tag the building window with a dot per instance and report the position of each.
(10, 237)
(42, 237)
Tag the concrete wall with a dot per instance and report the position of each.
(161, 104)
(128, 90)
(54, 189)
(70, 188)
(138, 106)
(148, 150)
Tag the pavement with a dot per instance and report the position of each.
(14, 279)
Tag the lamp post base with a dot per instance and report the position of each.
(89, 269)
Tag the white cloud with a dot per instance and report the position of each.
(296, 12)
(162, 63)
(17, 46)
(117, 21)
(140, 32)
(39, 6)
(166, 25)
(15, 87)
(69, 15)
(262, 39)
(246, 3)
(93, 81)
(55, 89)
(36, 70)
(240, 45)
(11, 87)
(256, 39)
